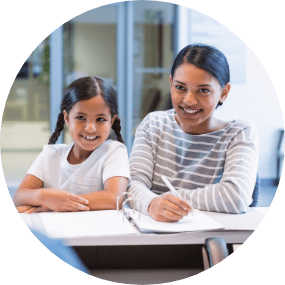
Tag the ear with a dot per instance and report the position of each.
(113, 119)
(170, 80)
(225, 93)
(66, 117)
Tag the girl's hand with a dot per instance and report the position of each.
(38, 209)
(168, 208)
(23, 209)
(32, 209)
(61, 201)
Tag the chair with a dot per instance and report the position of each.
(215, 249)
(255, 193)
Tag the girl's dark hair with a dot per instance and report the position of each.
(207, 58)
(83, 89)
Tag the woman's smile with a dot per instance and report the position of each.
(191, 112)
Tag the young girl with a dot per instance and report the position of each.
(212, 163)
(89, 173)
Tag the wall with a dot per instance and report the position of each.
(88, 61)
(256, 101)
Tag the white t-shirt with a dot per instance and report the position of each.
(110, 159)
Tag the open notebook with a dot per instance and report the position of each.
(111, 222)
(200, 222)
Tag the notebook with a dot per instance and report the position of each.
(200, 222)
(86, 224)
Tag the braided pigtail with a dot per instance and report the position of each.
(58, 129)
(117, 129)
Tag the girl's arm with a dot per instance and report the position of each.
(32, 193)
(107, 198)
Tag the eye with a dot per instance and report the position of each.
(204, 90)
(80, 118)
(100, 119)
(179, 87)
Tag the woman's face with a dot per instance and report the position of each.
(195, 95)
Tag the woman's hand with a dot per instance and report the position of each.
(52, 199)
(168, 208)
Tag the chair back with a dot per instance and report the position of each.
(255, 193)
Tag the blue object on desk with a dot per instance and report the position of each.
(65, 253)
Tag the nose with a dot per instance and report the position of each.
(190, 99)
(90, 127)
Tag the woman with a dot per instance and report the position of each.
(212, 163)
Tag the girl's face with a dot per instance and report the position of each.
(89, 123)
(195, 95)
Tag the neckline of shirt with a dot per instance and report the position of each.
(172, 114)
(74, 166)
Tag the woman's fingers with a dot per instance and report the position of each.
(179, 202)
(169, 216)
(176, 206)
(168, 208)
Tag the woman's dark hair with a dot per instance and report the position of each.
(83, 89)
(207, 58)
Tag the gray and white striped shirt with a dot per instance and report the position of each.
(213, 171)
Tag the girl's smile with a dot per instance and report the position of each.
(195, 95)
(89, 123)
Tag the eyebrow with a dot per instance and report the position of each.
(179, 82)
(201, 85)
(100, 115)
(204, 85)
(97, 115)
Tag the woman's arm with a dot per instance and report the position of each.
(141, 168)
(233, 194)
(107, 198)
(32, 193)
(166, 208)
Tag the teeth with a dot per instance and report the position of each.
(191, 111)
(90, 138)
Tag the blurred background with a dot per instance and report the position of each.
(132, 45)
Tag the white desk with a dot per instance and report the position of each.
(145, 251)
(148, 259)
(237, 229)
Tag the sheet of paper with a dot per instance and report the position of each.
(27, 219)
(200, 222)
(86, 224)
(247, 221)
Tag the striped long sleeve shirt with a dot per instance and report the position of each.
(214, 171)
